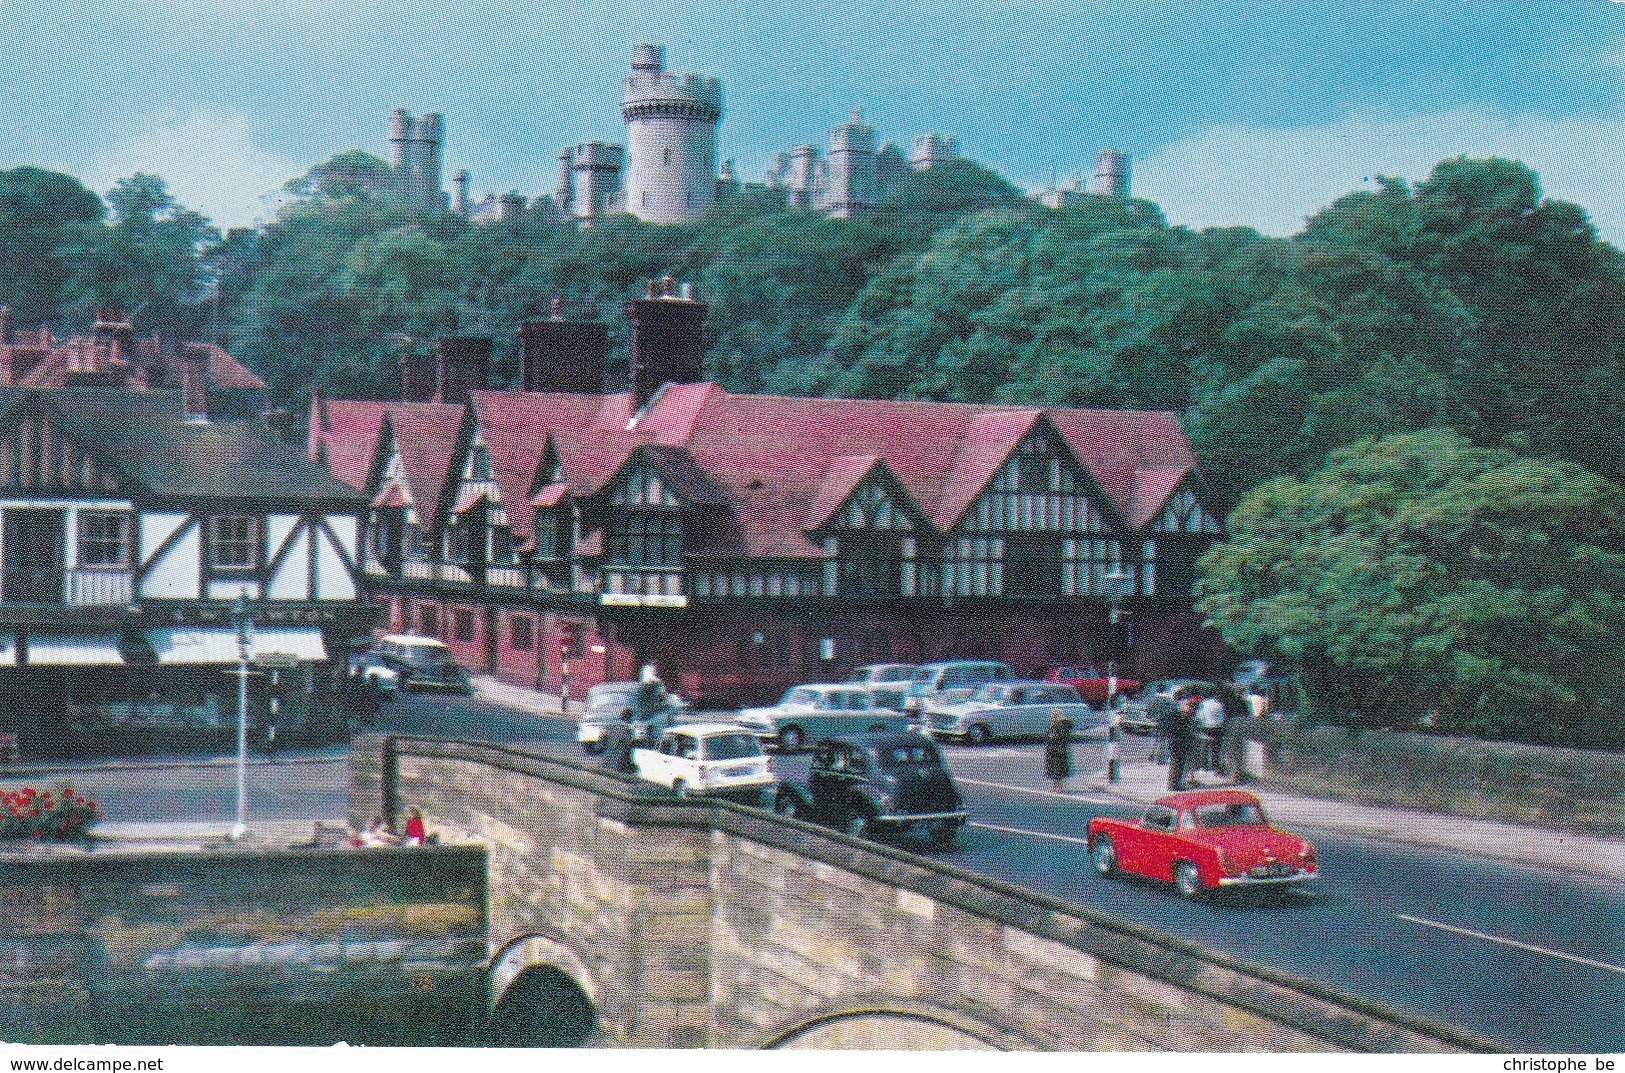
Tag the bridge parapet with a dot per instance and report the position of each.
(699, 923)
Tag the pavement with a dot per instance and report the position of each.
(1140, 781)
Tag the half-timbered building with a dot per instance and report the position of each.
(742, 542)
(130, 525)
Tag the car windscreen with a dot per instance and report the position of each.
(422, 655)
(902, 755)
(799, 695)
(989, 692)
(893, 674)
(732, 746)
(1231, 814)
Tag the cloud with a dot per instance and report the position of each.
(209, 161)
(1273, 178)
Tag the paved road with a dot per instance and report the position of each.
(1533, 958)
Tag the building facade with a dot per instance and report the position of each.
(745, 542)
(130, 525)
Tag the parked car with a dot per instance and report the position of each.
(1203, 841)
(865, 784)
(608, 702)
(376, 672)
(1012, 710)
(422, 663)
(715, 759)
(937, 684)
(888, 680)
(1091, 683)
(819, 711)
(1134, 715)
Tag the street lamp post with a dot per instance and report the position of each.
(242, 616)
(1119, 583)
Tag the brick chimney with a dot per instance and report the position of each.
(195, 382)
(417, 378)
(462, 364)
(5, 326)
(563, 355)
(667, 347)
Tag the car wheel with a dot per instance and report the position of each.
(858, 825)
(680, 788)
(980, 734)
(1188, 881)
(791, 739)
(592, 748)
(1104, 854)
(788, 804)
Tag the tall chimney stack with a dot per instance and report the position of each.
(462, 364)
(195, 383)
(417, 378)
(563, 355)
(667, 346)
(5, 326)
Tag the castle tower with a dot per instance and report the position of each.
(852, 185)
(595, 179)
(400, 140)
(802, 181)
(566, 184)
(929, 149)
(459, 195)
(1111, 174)
(414, 157)
(890, 169)
(671, 140)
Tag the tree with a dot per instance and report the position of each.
(356, 173)
(148, 261)
(36, 209)
(1420, 578)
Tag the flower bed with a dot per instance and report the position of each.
(59, 815)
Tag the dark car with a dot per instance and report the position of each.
(422, 663)
(865, 784)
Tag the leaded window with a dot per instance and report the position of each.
(232, 542)
(104, 539)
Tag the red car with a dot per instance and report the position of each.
(1201, 841)
(1091, 683)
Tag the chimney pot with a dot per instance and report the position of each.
(463, 364)
(563, 355)
(417, 379)
(667, 344)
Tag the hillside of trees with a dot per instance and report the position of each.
(1465, 306)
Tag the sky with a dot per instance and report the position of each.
(1233, 111)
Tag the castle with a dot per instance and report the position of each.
(667, 172)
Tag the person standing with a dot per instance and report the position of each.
(416, 832)
(1181, 730)
(1161, 710)
(1058, 750)
(1209, 725)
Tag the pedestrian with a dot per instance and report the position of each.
(1161, 711)
(270, 740)
(1209, 724)
(1182, 737)
(620, 739)
(1058, 750)
(1258, 701)
(416, 832)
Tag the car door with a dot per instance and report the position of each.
(1139, 851)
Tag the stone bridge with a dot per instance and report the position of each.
(619, 915)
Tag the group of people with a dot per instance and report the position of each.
(1190, 724)
(380, 833)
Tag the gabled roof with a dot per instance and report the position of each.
(983, 448)
(1152, 489)
(144, 436)
(842, 477)
(159, 367)
(426, 435)
(345, 434)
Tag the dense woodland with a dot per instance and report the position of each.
(1463, 319)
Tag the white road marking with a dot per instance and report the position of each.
(1082, 798)
(1033, 834)
(1513, 942)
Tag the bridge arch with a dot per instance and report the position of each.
(543, 995)
(888, 1024)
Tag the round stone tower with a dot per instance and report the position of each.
(671, 140)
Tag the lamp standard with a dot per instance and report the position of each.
(242, 616)
(1118, 584)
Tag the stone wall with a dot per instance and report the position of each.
(695, 923)
(301, 946)
(1562, 789)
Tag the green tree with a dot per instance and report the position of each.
(148, 261)
(1420, 578)
(36, 210)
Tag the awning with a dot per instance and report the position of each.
(550, 495)
(210, 646)
(73, 650)
(468, 502)
(391, 496)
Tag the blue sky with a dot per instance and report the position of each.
(1234, 112)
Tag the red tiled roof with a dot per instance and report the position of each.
(160, 369)
(468, 501)
(346, 434)
(389, 496)
(550, 495)
(786, 464)
(426, 434)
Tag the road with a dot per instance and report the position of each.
(1529, 957)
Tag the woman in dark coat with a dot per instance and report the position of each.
(1058, 750)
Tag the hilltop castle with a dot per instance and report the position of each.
(667, 172)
